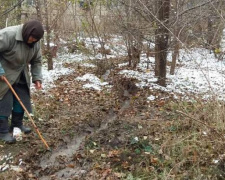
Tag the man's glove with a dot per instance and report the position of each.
(2, 72)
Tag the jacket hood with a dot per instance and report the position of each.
(32, 28)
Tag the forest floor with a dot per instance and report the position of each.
(113, 134)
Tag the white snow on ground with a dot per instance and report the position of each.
(197, 73)
(49, 76)
(95, 82)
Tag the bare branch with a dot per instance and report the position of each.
(12, 8)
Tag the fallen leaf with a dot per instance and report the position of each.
(154, 160)
(113, 153)
(16, 168)
(92, 151)
(105, 173)
(120, 175)
(139, 126)
(125, 165)
(103, 155)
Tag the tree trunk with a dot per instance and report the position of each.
(175, 53)
(157, 52)
(38, 10)
(162, 36)
(19, 12)
(48, 31)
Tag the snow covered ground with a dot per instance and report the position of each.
(198, 73)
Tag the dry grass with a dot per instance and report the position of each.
(196, 143)
(188, 145)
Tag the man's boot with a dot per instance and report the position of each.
(4, 132)
(17, 121)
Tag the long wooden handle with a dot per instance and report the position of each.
(28, 114)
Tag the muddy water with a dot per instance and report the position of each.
(66, 153)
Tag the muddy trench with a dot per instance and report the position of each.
(55, 164)
(89, 114)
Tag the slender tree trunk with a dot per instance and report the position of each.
(157, 52)
(48, 31)
(39, 16)
(38, 10)
(19, 12)
(175, 53)
(162, 36)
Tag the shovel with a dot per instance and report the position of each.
(28, 114)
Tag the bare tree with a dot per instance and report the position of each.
(48, 32)
(50, 13)
(161, 42)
